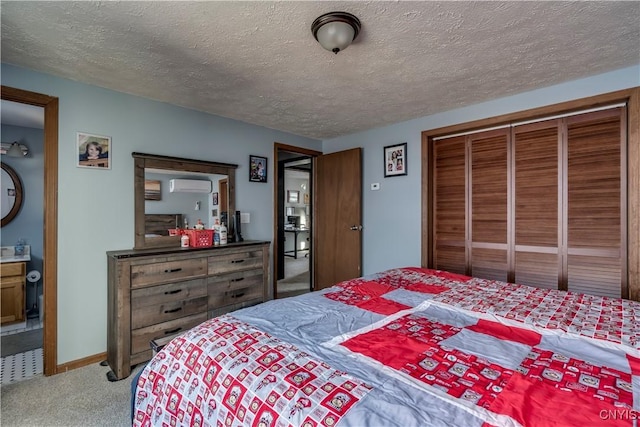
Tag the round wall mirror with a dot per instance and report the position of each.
(11, 198)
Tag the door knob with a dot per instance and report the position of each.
(356, 228)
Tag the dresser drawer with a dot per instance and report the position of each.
(170, 292)
(140, 338)
(13, 269)
(163, 272)
(235, 261)
(152, 314)
(235, 288)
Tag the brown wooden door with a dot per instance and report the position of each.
(338, 217)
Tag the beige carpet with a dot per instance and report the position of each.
(81, 397)
(297, 278)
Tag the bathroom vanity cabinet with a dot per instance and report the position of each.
(12, 296)
(158, 293)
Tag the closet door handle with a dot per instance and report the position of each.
(237, 295)
(237, 261)
(172, 331)
(173, 270)
(237, 280)
(177, 291)
(175, 310)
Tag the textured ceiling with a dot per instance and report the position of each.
(258, 61)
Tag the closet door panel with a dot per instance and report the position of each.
(489, 264)
(489, 204)
(451, 258)
(536, 186)
(450, 205)
(595, 203)
(537, 269)
(595, 275)
(489, 186)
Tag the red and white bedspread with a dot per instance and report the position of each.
(404, 347)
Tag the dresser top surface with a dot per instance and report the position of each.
(132, 253)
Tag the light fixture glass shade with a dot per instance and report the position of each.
(335, 30)
(15, 150)
(335, 36)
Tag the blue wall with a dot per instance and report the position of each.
(28, 224)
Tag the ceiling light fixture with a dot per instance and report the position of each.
(335, 30)
(14, 149)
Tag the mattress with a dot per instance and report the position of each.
(404, 347)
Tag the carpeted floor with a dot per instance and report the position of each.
(297, 278)
(21, 342)
(81, 397)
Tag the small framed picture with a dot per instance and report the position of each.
(152, 189)
(293, 196)
(94, 151)
(214, 199)
(395, 160)
(257, 169)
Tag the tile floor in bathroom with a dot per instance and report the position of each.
(22, 366)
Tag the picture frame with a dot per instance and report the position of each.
(293, 196)
(257, 169)
(152, 189)
(214, 199)
(395, 160)
(93, 151)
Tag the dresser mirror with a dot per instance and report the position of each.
(155, 217)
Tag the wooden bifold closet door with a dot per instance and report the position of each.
(541, 204)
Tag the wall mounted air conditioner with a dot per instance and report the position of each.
(189, 186)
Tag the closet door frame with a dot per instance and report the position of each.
(629, 96)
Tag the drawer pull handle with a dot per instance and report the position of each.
(237, 280)
(173, 270)
(177, 291)
(236, 261)
(172, 331)
(175, 310)
(237, 295)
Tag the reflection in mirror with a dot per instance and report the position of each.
(11, 199)
(187, 189)
(190, 203)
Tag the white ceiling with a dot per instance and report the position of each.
(258, 61)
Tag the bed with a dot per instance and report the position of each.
(403, 347)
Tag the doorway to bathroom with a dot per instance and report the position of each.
(22, 242)
(49, 229)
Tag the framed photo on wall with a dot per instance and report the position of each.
(94, 151)
(214, 199)
(395, 160)
(257, 169)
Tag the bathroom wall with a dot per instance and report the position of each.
(29, 223)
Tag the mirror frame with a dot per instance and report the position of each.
(17, 184)
(177, 164)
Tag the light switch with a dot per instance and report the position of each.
(375, 186)
(245, 217)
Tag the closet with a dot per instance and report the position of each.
(539, 203)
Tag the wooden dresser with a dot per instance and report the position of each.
(155, 293)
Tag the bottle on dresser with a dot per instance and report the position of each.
(223, 234)
(216, 232)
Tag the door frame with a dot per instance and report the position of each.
(291, 149)
(50, 229)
